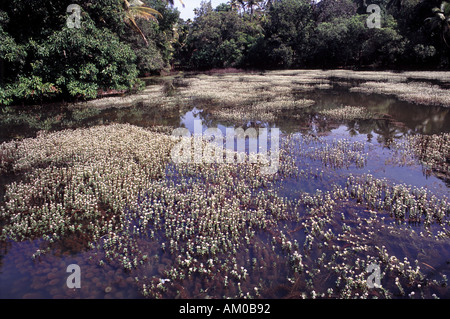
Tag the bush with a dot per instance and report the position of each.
(28, 89)
(50, 59)
(82, 61)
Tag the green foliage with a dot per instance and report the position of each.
(5, 96)
(348, 42)
(156, 55)
(288, 30)
(12, 54)
(328, 33)
(219, 38)
(424, 52)
(328, 10)
(27, 88)
(44, 58)
(10, 51)
(84, 60)
(385, 46)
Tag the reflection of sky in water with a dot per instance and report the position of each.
(18, 273)
(376, 164)
(187, 120)
(192, 118)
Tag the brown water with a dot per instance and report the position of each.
(265, 257)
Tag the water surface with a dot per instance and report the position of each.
(45, 276)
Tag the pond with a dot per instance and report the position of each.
(358, 205)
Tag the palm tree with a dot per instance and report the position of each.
(138, 10)
(241, 4)
(440, 21)
(254, 3)
(268, 4)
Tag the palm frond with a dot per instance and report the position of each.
(143, 12)
(440, 21)
(436, 10)
(137, 10)
(134, 26)
(146, 15)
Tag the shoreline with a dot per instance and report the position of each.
(418, 87)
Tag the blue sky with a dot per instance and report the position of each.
(188, 11)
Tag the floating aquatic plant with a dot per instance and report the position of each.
(414, 92)
(432, 151)
(348, 113)
(78, 179)
(200, 230)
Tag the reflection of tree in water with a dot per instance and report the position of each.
(4, 247)
(322, 125)
(352, 128)
(386, 132)
(418, 118)
(367, 127)
(423, 119)
(435, 122)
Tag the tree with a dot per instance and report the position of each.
(12, 54)
(347, 42)
(171, 2)
(219, 38)
(385, 46)
(242, 5)
(50, 59)
(235, 5)
(440, 22)
(328, 10)
(251, 4)
(155, 55)
(137, 10)
(288, 31)
(339, 42)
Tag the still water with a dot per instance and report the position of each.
(268, 269)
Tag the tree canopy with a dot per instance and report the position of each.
(121, 40)
(47, 57)
(329, 33)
